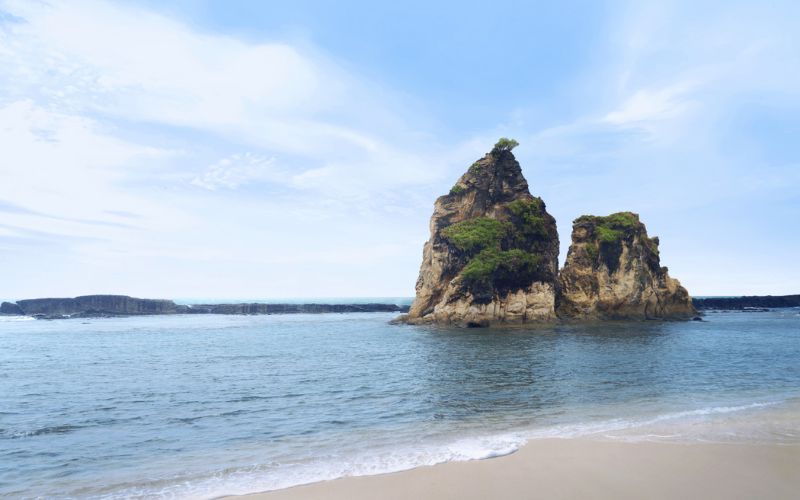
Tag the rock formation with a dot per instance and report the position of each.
(613, 271)
(122, 305)
(493, 251)
(747, 302)
(91, 305)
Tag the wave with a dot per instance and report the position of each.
(16, 318)
(55, 429)
(274, 476)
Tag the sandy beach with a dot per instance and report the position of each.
(586, 469)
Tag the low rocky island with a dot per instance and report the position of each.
(745, 303)
(121, 305)
(492, 258)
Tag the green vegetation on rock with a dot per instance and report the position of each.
(529, 217)
(607, 235)
(592, 251)
(457, 189)
(474, 235)
(504, 144)
(475, 167)
(610, 231)
(511, 268)
(500, 255)
(653, 244)
(612, 228)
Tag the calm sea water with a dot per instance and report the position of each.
(202, 406)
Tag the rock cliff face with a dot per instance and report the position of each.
(493, 251)
(613, 271)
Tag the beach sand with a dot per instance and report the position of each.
(585, 469)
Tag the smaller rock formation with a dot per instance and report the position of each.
(492, 256)
(613, 271)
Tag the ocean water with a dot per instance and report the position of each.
(204, 406)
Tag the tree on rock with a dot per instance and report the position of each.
(504, 144)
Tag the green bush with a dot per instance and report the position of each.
(612, 228)
(504, 144)
(475, 167)
(623, 220)
(610, 231)
(457, 189)
(507, 268)
(475, 234)
(607, 235)
(529, 217)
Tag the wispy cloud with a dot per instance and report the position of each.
(236, 170)
(131, 136)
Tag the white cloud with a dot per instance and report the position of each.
(96, 56)
(237, 170)
(108, 114)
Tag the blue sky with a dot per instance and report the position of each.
(294, 149)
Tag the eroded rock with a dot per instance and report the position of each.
(493, 251)
(613, 271)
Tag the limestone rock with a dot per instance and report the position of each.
(613, 271)
(492, 255)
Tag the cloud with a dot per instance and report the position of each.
(142, 150)
(133, 142)
(236, 170)
(130, 63)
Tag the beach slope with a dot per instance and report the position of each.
(586, 469)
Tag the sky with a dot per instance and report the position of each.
(248, 149)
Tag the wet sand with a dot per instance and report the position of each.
(584, 469)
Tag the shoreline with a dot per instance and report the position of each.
(581, 468)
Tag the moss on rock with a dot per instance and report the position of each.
(501, 269)
(476, 234)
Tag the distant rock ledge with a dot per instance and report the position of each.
(746, 302)
(92, 306)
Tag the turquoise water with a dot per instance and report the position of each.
(202, 406)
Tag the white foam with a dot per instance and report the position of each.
(16, 318)
(274, 476)
(603, 427)
(279, 476)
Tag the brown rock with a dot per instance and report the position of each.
(613, 271)
(492, 256)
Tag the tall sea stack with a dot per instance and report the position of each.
(493, 251)
(613, 271)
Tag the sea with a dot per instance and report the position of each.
(203, 406)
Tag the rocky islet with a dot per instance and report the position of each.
(492, 257)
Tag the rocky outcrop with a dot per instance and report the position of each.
(492, 255)
(97, 305)
(11, 309)
(122, 305)
(613, 271)
(258, 308)
(747, 302)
